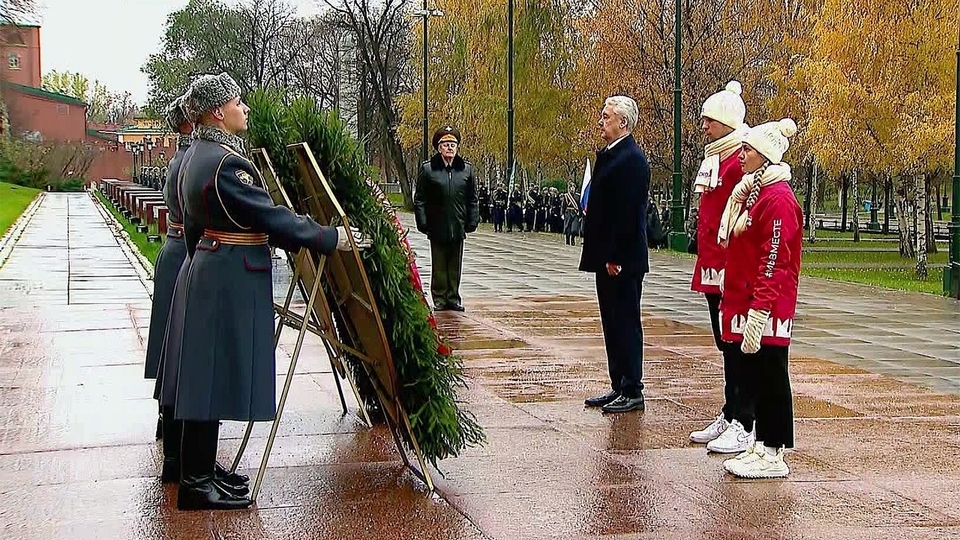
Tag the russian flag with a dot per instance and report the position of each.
(585, 187)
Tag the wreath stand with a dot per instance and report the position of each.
(355, 304)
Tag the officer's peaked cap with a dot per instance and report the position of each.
(444, 134)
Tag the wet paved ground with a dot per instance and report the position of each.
(876, 455)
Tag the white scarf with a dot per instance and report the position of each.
(736, 216)
(708, 177)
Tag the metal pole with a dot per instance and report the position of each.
(951, 275)
(426, 137)
(510, 168)
(678, 236)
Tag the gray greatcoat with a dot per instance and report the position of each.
(165, 272)
(227, 368)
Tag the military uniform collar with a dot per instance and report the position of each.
(221, 137)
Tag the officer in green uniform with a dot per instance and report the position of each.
(227, 365)
(446, 208)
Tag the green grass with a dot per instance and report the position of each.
(13, 201)
(902, 279)
(150, 250)
(890, 258)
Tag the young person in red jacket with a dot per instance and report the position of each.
(762, 229)
(722, 123)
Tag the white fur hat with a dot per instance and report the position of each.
(726, 106)
(770, 139)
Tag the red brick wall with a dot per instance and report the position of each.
(24, 43)
(54, 120)
(112, 161)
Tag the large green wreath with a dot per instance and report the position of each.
(428, 372)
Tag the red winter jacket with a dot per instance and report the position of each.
(763, 267)
(711, 256)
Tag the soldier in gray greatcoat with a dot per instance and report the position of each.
(227, 366)
(168, 266)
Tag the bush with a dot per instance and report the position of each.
(427, 370)
(59, 166)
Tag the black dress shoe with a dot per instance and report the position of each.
(624, 404)
(231, 478)
(237, 490)
(456, 307)
(159, 434)
(207, 494)
(600, 401)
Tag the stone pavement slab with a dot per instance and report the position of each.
(877, 441)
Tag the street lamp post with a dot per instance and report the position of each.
(149, 141)
(678, 236)
(951, 274)
(426, 14)
(510, 94)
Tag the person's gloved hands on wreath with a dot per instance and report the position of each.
(753, 330)
(343, 239)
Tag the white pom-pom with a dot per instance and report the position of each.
(734, 86)
(788, 127)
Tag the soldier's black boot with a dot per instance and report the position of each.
(172, 436)
(198, 456)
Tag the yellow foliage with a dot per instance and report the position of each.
(879, 81)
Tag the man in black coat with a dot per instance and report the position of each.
(446, 209)
(615, 250)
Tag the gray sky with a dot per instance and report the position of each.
(108, 40)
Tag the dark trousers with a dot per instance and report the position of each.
(446, 264)
(766, 383)
(619, 299)
(734, 407)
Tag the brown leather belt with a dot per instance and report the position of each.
(236, 238)
(174, 229)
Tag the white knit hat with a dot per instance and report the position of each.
(770, 139)
(726, 106)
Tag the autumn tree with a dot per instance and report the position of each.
(96, 95)
(380, 33)
(261, 44)
(468, 86)
(880, 88)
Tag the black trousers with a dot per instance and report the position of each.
(766, 383)
(446, 265)
(619, 299)
(734, 406)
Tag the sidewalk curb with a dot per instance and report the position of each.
(10, 239)
(141, 265)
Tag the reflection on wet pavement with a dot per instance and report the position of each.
(875, 458)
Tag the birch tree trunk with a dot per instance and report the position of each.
(812, 236)
(855, 192)
(921, 244)
(903, 210)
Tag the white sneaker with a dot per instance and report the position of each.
(710, 432)
(766, 466)
(745, 457)
(733, 439)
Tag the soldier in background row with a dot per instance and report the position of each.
(499, 207)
